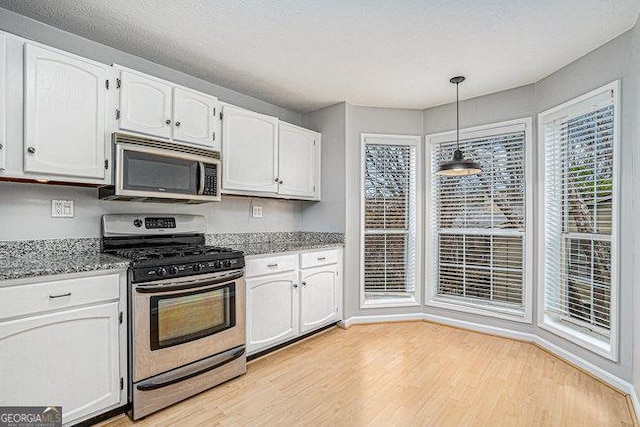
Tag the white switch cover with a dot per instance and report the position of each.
(61, 208)
(257, 212)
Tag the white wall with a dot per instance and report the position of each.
(635, 90)
(25, 209)
(25, 212)
(329, 215)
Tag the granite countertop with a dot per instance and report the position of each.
(263, 248)
(19, 267)
(33, 258)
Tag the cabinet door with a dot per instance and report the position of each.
(249, 150)
(145, 105)
(64, 121)
(272, 310)
(3, 100)
(194, 118)
(68, 358)
(297, 161)
(318, 297)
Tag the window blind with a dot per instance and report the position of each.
(579, 202)
(479, 222)
(389, 221)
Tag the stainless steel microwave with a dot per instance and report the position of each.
(157, 171)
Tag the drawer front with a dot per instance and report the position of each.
(314, 259)
(257, 267)
(44, 296)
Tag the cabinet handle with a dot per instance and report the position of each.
(1, 146)
(272, 265)
(295, 285)
(68, 294)
(178, 124)
(277, 180)
(304, 283)
(280, 182)
(214, 136)
(31, 150)
(322, 258)
(168, 121)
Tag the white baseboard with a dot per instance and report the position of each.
(359, 320)
(597, 372)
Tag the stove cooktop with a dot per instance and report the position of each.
(140, 255)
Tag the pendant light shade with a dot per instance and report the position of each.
(458, 166)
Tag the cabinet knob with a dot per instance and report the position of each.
(277, 180)
(1, 146)
(31, 150)
(178, 124)
(168, 121)
(295, 285)
(281, 182)
(304, 283)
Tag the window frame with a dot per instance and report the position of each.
(406, 140)
(575, 334)
(430, 278)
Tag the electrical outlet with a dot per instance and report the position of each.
(257, 212)
(61, 208)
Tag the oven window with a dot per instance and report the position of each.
(185, 317)
(150, 172)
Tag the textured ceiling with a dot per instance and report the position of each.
(306, 54)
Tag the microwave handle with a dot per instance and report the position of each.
(201, 173)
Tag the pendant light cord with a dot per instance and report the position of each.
(457, 118)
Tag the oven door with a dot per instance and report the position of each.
(179, 321)
(160, 173)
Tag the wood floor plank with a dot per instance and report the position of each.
(413, 374)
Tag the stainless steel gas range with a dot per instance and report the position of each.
(186, 308)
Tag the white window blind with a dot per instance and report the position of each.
(389, 218)
(478, 222)
(579, 206)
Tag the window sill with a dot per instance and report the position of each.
(389, 302)
(483, 310)
(600, 346)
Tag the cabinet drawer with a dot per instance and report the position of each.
(313, 259)
(256, 267)
(44, 296)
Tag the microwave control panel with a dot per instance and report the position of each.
(210, 180)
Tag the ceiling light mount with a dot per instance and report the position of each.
(458, 166)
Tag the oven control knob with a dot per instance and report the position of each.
(227, 263)
(162, 271)
(137, 222)
(198, 267)
(173, 270)
(217, 264)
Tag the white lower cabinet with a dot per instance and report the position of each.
(288, 296)
(318, 297)
(70, 354)
(271, 302)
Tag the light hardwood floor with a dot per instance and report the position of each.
(408, 374)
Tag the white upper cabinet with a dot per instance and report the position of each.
(298, 153)
(195, 118)
(3, 100)
(249, 151)
(161, 109)
(64, 107)
(145, 105)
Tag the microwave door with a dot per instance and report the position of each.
(145, 173)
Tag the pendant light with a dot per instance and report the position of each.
(458, 166)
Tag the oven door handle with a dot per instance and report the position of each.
(192, 370)
(192, 284)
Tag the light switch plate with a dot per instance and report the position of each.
(62, 209)
(257, 212)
